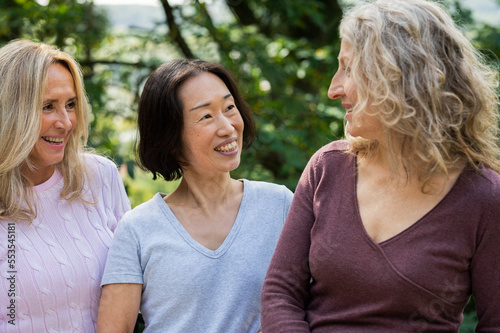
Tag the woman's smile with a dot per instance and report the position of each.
(228, 148)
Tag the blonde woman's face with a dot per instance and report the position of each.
(58, 121)
(344, 87)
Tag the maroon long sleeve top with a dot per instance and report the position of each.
(328, 275)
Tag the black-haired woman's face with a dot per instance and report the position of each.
(213, 127)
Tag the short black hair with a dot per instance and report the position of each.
(160, 115)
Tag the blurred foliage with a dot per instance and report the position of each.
(470, 318)
(283, 54)
(141, 187)
(79, 28)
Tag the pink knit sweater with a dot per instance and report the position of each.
(53, 283)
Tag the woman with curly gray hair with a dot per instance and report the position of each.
(394, 228)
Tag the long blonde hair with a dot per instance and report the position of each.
(23, 74)
(430, 88)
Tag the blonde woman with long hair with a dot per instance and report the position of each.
(58, 205)
(394, 228)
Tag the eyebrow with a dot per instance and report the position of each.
(208, 104)
(342, 58)
(56, 100)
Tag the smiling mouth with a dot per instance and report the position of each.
(52, 140)
(227, 148)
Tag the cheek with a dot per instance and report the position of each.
(45, 123)
(375, 122)
(74, 119)
(239, 123)
(351, 91)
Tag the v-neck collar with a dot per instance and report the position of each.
(413, 225)
(231, 236)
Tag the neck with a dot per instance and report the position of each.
(38, 176)
(205, 193)
(392, 172)
(381, 165)
(381, 158)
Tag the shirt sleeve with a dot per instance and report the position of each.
(288, 201)
(285, 286)
(118, 199)
(106, 187)
(124, 260)
(485, 265)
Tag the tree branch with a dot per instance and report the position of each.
(89, 64)
(212, 30)
(245, 15)
(114, 62)
(175, 33)
(242, 12)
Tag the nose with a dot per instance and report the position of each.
(336, 89)
(225, 127)
(63, 120)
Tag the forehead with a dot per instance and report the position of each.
(346, 51)
(58, 73)
(202, 88)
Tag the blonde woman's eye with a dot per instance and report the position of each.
(71, 105)
(48, 107)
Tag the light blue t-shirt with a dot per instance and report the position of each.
(188, 288)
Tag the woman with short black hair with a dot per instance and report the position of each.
(193, 260)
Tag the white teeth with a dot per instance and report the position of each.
(227, 148)
(53, 140)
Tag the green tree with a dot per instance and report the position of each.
(283, 54)
(74, 26)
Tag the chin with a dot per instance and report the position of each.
(354, 132)
(234, 166)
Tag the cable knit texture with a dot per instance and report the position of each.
(60, 257)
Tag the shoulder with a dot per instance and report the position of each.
(484, 184)
(331, 156)
(100, 167)
(478, 191)
(266, 189)
(144, 213)
(262, 195)
(339, 145)
(96, 162)
(332, 162)
(335, 148)
(492, 177)
(266, 203)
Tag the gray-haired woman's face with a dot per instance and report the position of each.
(344, 87)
